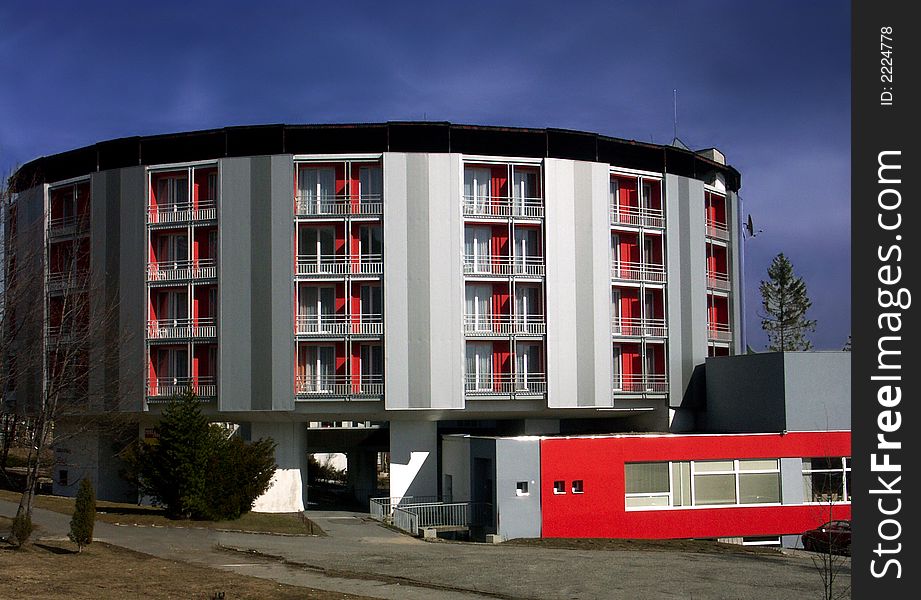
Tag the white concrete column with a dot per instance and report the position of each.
(413, 458)
(287, 492)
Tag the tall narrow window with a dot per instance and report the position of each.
(527, 307)
(316, 244)
(476, 189)
(614, 197)
(478, 308)
(646, 197)
(316, 189)
(479, 366)
(370, 183)
(172, 192)
(372, 363)
(615, 311)
(528, 366)
(372, 303)
(371, 241)
(476, 249)
(616, 369)
(211, 195)
(527, 250)
(317, 306)
(525, 194)
(173, 249)
(319, 366)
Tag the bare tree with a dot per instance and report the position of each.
(56, 318)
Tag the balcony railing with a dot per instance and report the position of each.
(720, 332)
(505, 325)
(504, 266)
(631, 271)
(335, 325)
(718, 281)
(67, 280)
(339, 386)
(503, 207)
(636, 327)
(174, 329)
(505, 384)
(637, 217)
(167, 387)
(179, 270)
(310, 205)
(640, 384)
(182, 212)
(718, 230)
(339, 264)
(66, 226)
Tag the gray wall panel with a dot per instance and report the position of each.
(518, 460)
(418, 279)
(818, 390)
(260, 309)
(396, 301)
(282, 284)
(130, 204)
(235, 285)
(745, 393)
(733, 219)
(791, 480)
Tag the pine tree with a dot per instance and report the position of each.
(84, 519)
(784, 302)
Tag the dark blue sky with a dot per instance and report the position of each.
(768, 83)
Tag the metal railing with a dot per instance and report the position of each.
(339, 386)
(505, 384)
(181, 212)
(503, 207)
(631, 271)
(382, 508)
(637, 327)
(65, 226)
(718, 281)
(171, 329)
(366, 205)
(521, 266)
(167, 387)
(720, 332)
(67, 280)
(414, 517)
(179, 270)
(339, 264)
(335, 324)
(718, 230)
(505, 325)
(637, 217)
(638, 383)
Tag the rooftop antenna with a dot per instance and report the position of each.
(675, 92)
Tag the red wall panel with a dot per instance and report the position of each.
(599, 463)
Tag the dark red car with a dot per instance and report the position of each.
(834, 534)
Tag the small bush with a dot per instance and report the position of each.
(21, 529)
(84, 519)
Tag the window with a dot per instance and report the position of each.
(371, 242)
(616, 368)
(370, 183)
(316, 244)
(172, 191)
(702, 483)
(372, 363)
(478, 307)
(479, 366)
(318, 368)
(559, 487)
(827, 479)
(62, 477)
(521, 488)
(525, 192)
(372, 303)
(317, 305)
(476, 189)
(527, 366)
(476, 249)
(211, 194)
(615, 193)
(316, 185)
(527, 250)
(578, 487)
(172, 249)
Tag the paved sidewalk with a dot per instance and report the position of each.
(361, 557)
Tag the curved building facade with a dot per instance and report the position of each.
(412, 278)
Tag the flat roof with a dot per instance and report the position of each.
(355, 138)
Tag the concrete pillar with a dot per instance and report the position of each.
(362, 474)
(413, 458)
(288, 490)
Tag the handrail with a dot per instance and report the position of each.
(636, 216)
(505, 324)
(638, 327)
(528, 266)
(639, 383)
(340, 324)
(634, 271)
(505, 384)
(503, 206)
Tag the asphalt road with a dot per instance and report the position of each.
(361, 557)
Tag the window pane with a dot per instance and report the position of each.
(758, 465)
(681, 484)
(646, 478)
(709, 466)
(715, 489)
(755, 488)
(643, 501)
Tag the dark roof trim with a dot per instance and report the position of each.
(394, 136)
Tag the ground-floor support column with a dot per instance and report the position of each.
(413, 458)
(362, 474)
(287, 492)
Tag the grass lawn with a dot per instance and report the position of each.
(132, 514)
(54, 570)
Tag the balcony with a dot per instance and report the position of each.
(370, 205)
(717, 230)
(504, 325)
(164, 388)
(170, 214)
(637, 217)
(178, 329)
(504, 266)
(67, 280)
(640, 384)
(636, 327)
(503, 207)
(68, 226)
(505, 384)
(69, 333)
(719, 332)
(337, 387)
(182, 270)
(339, 325)
(718, 281)
(631, 271)
(339, 265)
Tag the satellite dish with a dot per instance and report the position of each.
(750, 228)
